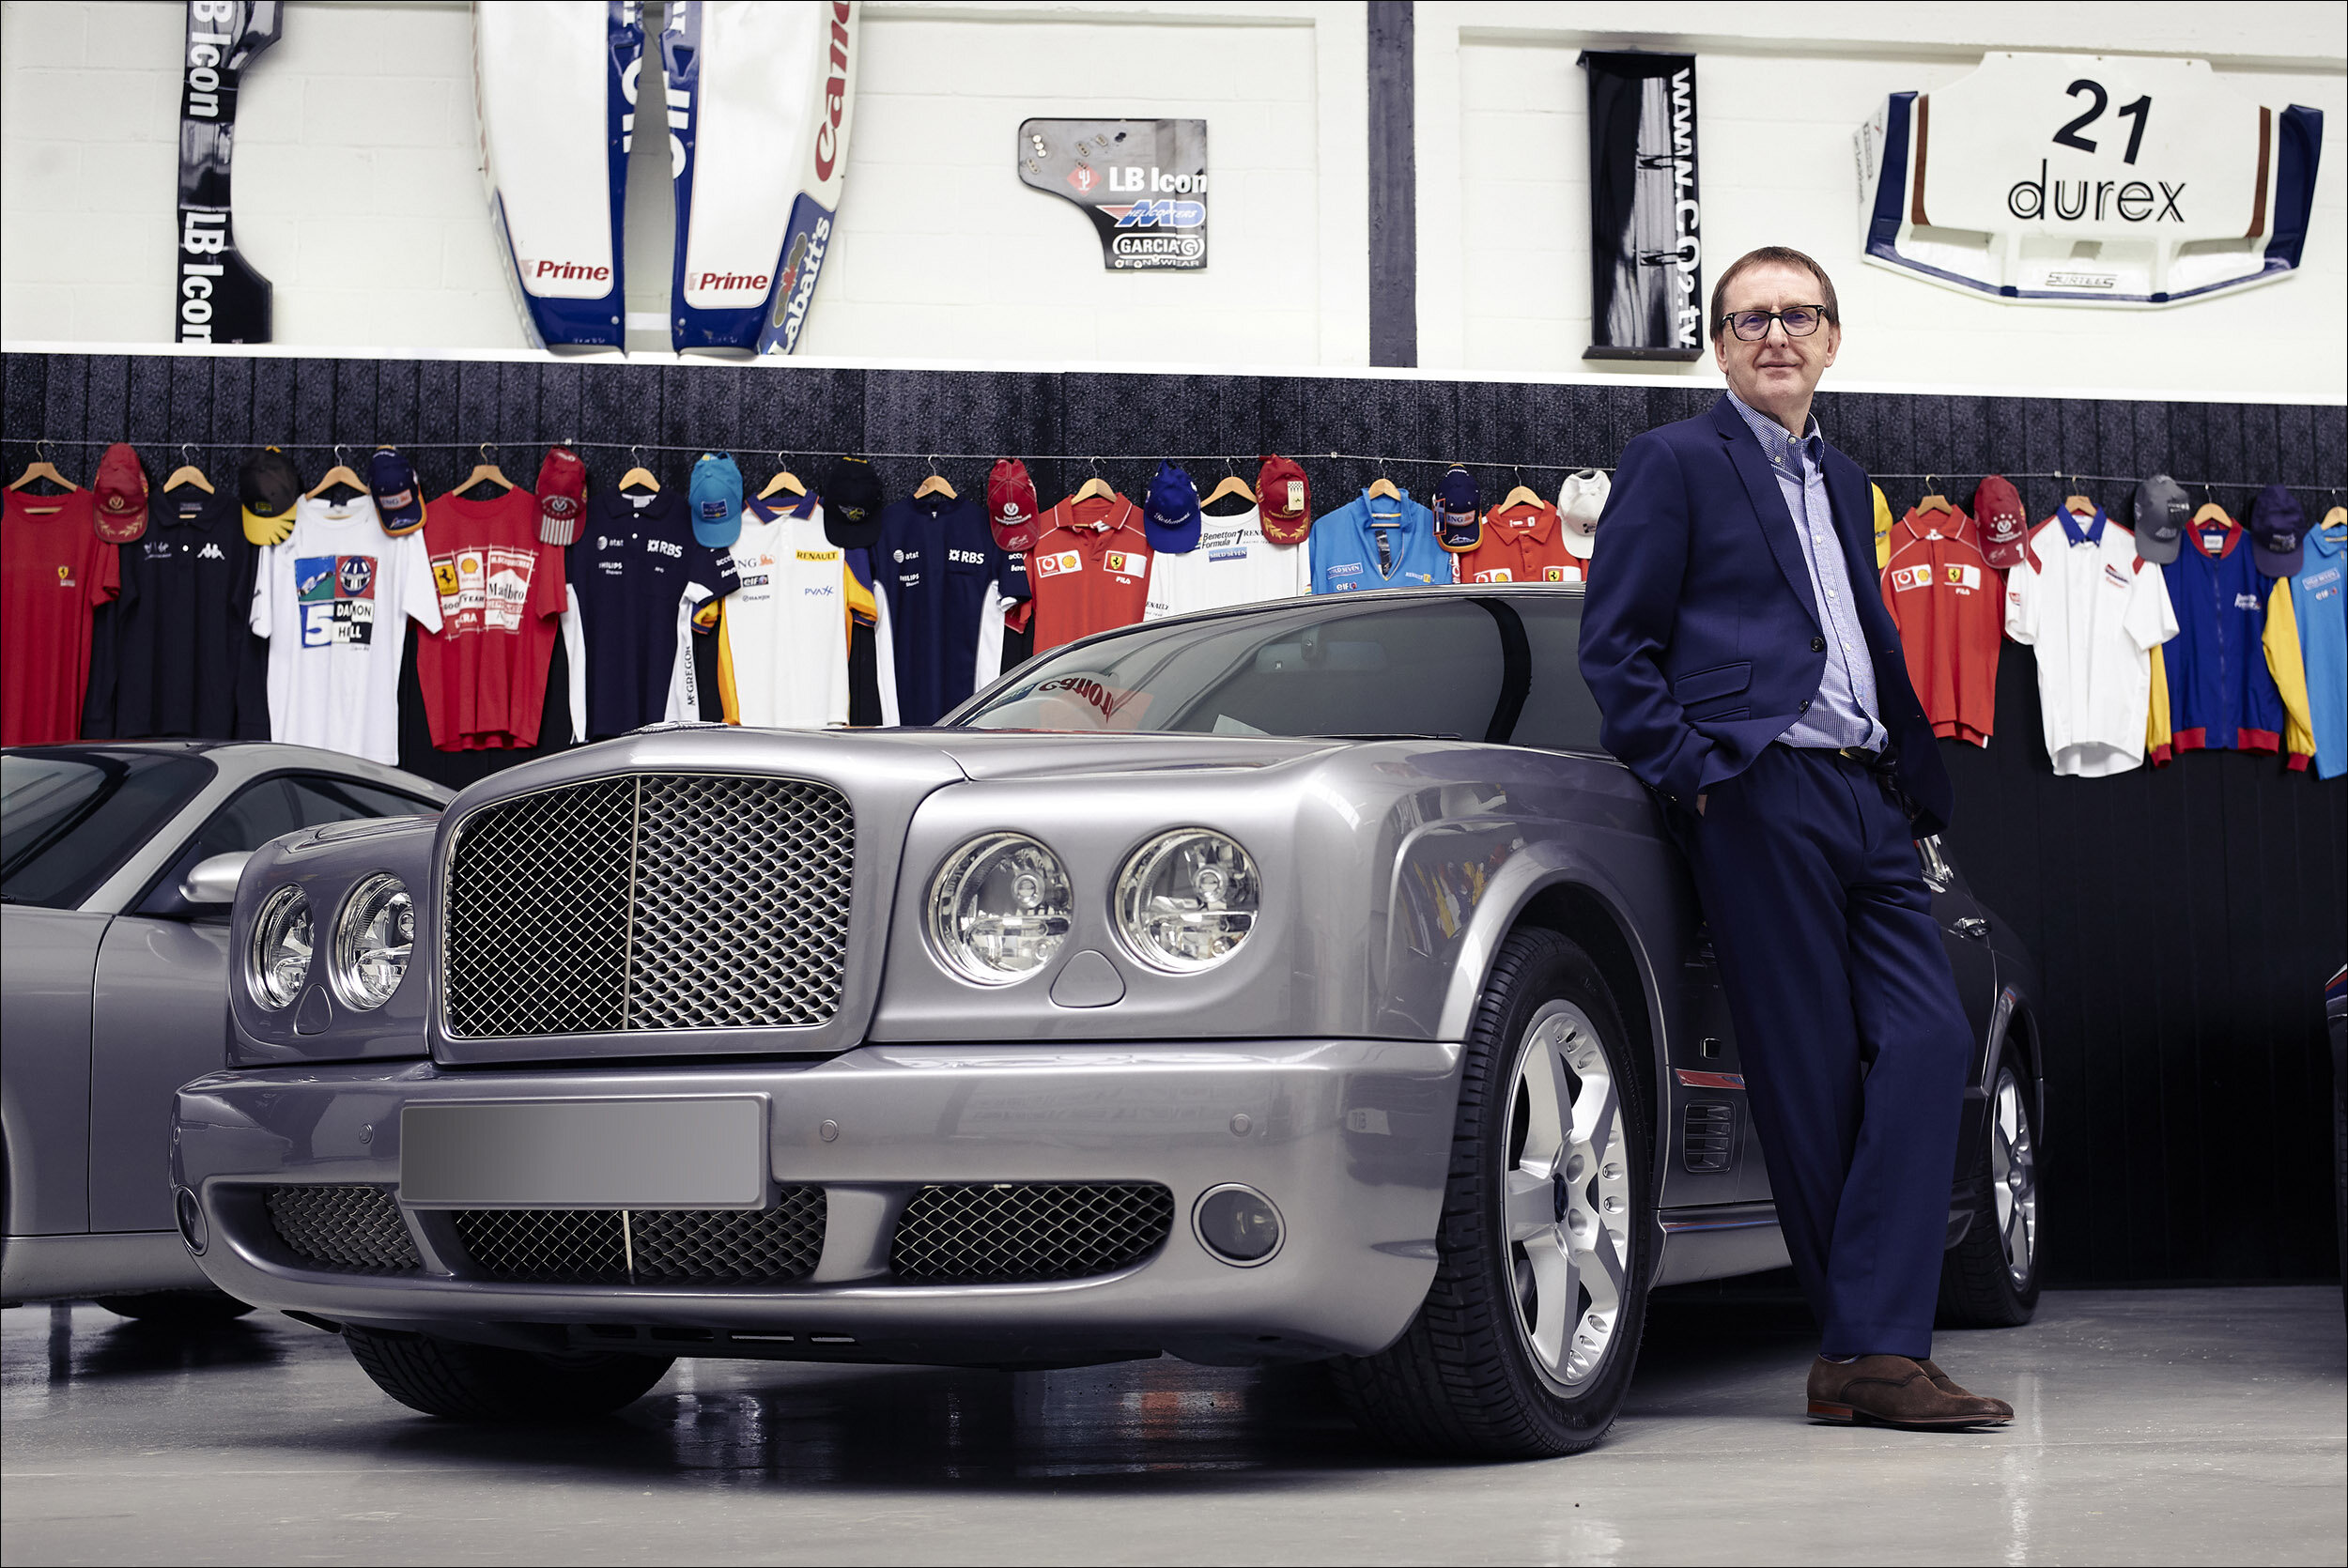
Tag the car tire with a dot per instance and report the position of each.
(487, 1383)
(1989, 1280)
(187, 1309)
(1526, 1342)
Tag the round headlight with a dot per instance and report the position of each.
(372, 941)
(1187, 900)
(280, 961)
(1000, 907)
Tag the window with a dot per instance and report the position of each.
(69, 819)
(262, 812)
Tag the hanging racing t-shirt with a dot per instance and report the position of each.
(483, 672)
(1377, 542)
(638, 576)
(2221, 693)
(2096, 616)
(1090, 569)
(179, 656)
(334, 600)
(1233, 563)
(1525, 543)
(54, 571)
(948, 586)
(1947, 602)
(783, 654)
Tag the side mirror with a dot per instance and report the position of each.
(215, 878)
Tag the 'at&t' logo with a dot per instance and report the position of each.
(1172, 215)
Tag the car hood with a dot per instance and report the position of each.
(991, 754)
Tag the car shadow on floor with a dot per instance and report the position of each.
(132, 1348)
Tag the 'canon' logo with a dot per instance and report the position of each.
(835, 93)
(572, 269)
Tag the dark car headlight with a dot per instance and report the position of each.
(278, 963)
(1000, 907)
(373, 938)
(1186, 899)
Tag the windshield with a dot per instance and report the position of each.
(70, 819)
(1463, 666)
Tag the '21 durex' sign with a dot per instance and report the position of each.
(2088, 178)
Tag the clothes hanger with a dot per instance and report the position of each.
(1932, 501)
(339, 475)
(2078, 504)
(643, 478)
(187, 473)
(1232, 485)
(1382, 487)
(40, 468)
(1096, 485)
(484, 472)
(933, 486)
(784, 481)
(1523, 495)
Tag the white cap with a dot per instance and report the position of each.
(1580, 500)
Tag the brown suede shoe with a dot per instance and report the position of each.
(1892, 1391)
(1947, 1384)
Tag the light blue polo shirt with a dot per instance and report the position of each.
(1385, 543)
(2319, 602)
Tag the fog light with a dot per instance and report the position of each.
(1237, 1225)
(191, 1217)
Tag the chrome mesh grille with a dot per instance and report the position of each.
(653, 902)
(354, 1229)
(1029, 1230)
(648, 1246)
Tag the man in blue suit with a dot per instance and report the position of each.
(1747, 671)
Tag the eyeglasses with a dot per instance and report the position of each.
(1798, 320)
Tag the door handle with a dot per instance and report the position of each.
(1972, 926)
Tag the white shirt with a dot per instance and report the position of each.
(783, 661)
(334, 601)
(2094, 618)
(1234, 564)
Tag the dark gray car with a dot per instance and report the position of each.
(1301, 982)
(116, 865)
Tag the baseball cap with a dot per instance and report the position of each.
(2161, 514)
(2005, 526)
(121, 491)
(715, 496)
(1170, 512)
(2278, 532)
(399, 498)
(561, 496)
(266, 488)
(852, 503)
(1284, 502)
(1010, 509)
(1581, 500)
(1459, 510)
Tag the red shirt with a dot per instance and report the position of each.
(1948, 604)
(483, 672)
(53, 571)
(1090, 570)
(1526, 543)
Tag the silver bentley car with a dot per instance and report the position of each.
(1298, 982)
(118, 863)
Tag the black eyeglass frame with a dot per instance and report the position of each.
(1820, 312)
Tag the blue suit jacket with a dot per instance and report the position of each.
(1700, 635)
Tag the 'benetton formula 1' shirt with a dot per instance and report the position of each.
(2222, 692)
(2096, 615)
(483, 673)
(637, 575)
(1232, 565)
(1944, 596)
(1090, 569)
(334, 600)
(948, 586)
(782, 658)
(1382, 542)
(1525, 543)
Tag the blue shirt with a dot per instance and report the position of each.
(1388, 542)
(1844, 712)
(2318, 603)
(946, 582)
(632, 566)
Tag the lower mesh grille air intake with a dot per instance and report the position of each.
(354, 1229)
(1029, 1231)
(648, 1246)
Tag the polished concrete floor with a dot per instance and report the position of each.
(2153, 1427)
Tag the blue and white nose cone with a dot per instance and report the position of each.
(756, 101)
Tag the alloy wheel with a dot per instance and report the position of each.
(2014, 1178)
(1566, 1209)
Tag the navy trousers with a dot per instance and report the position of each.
(1853, 1041)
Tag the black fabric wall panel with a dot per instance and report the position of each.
(2186, 917)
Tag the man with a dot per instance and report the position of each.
(1747, 670)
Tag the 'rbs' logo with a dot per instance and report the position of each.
(968, 558)
(1164, 214)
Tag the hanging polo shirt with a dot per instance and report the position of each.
(1946, 600)
(783, 654)
(2221, 694)
(1385, 542)
(1233, 563)
(949, 586)
(53, 571)
(1525, 543)
(636, 576)
(2094, 613)
(180, 658)
(2316, 611)
(1090, 568)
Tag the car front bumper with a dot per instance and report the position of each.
(1349, 1139)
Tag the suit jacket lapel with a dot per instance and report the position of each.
(1769, 501)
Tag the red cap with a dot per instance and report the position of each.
(561, 496)
(1010, 508)
(2005, 526)
(121, 491)
(1284, 502)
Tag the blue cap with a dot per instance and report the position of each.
(1459, 510)
(715, 498)
(1169, 515)
(399, 498)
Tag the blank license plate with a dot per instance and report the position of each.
(701, 1153)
